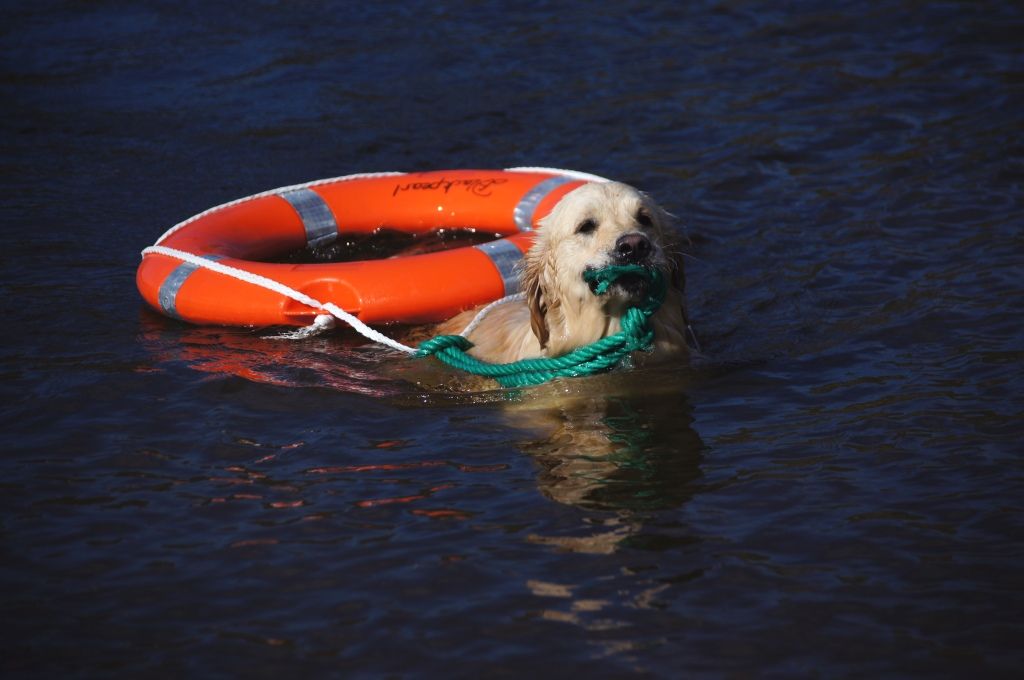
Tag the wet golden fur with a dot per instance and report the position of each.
(560, 312)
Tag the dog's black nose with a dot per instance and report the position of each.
(632, 248)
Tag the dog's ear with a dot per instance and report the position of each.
(538, 311)
(535, 301)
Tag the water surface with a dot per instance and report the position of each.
(832, 489)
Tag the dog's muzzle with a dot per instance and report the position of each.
(632, 249)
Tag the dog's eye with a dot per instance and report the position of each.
(587, 226)
(644, 218)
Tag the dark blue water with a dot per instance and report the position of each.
(834, 489)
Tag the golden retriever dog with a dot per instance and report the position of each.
(593, 226)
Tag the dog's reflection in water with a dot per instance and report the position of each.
(626, 456)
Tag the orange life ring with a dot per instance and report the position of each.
(413, 289)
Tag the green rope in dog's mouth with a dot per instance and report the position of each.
(604, 354)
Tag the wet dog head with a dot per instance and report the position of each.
(592, 227)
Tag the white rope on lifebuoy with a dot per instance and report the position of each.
(321, 324)
(574, 174)
(280, 288)
(487, 310)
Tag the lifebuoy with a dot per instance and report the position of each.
(174, 280)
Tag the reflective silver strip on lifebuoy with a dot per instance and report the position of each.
(167, 296)
(505, 257)
(316, 215)
(527, 206)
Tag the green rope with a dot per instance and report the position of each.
(602, 355)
